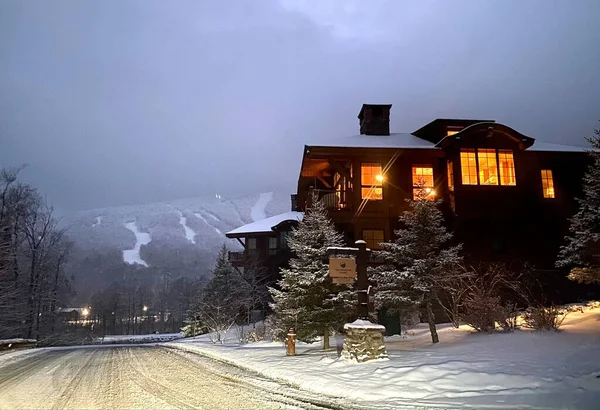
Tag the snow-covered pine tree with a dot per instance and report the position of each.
(418, 263)
(220, 302)
(307, 300)
(582, 250)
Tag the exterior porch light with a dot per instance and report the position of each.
(379, 178)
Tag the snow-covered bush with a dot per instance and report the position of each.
(545, 318)
(193, 328)
(482, 311)
(256, 334)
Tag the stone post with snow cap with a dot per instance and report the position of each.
(364, 340)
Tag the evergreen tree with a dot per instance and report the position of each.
(418, 263)
(222, 299)
(307, 300)
(582, 250)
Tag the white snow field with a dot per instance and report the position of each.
(132, 256)
(523, 369)
(258, 210)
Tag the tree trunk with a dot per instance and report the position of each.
(431, 321)
(326, 339)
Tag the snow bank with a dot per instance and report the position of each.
(132, 256)
(503, 370)
(149, 338)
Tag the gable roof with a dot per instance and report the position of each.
(266, 225)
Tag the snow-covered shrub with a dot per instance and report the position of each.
(192, 329)
(545, 318)
(256, 334)
(482, 310)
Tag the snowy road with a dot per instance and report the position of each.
(138, 377)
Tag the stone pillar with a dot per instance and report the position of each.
(364, 341)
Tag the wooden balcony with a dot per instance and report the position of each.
(334, 200)
(236, 258)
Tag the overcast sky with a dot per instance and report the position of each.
(124, 102)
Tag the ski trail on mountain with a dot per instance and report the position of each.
(132, 256)
(190, 235)
(203, 219)
(258, 210)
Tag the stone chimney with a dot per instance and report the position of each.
(374, 119)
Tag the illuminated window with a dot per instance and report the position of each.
(547, 183)
(251, 243)
(468, 167)
(450, 170)
(507, 167)
(371, 180)
(422, 178)
(452, 130)
(488, 168)
(373, 238)
(485, 165)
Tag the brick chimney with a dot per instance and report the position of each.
(374, 119)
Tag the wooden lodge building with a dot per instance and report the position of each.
(506, 196)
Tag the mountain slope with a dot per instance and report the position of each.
(197, 222)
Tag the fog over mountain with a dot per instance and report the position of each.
(128, 102)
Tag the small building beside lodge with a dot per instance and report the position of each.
(506, 196)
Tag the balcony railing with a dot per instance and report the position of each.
(333, 199)
(236, 258)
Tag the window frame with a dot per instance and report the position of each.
(371, 240)
(251, 240)
(371, 187)
(416, 188)
(548, 176)
(473, 153)
(450, 174)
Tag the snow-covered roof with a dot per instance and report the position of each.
(548, 146)
(266, 225)
(405, 140)
(394, 140)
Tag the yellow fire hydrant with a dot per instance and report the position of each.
(290, 343)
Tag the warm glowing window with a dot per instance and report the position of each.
(422, 178)
(506, 164)
(373, 238)
(371, 181)
(468, 167)
(450, 169)
(547, 183)
(488, 168)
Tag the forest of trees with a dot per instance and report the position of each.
(33, 253)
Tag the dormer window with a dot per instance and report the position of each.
(487, 167)
(452, 130)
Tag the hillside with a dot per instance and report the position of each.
(179, 237)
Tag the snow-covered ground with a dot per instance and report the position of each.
(522, 369)
(98, 221)
(132, 256)
(149, 338)
(258, 210)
